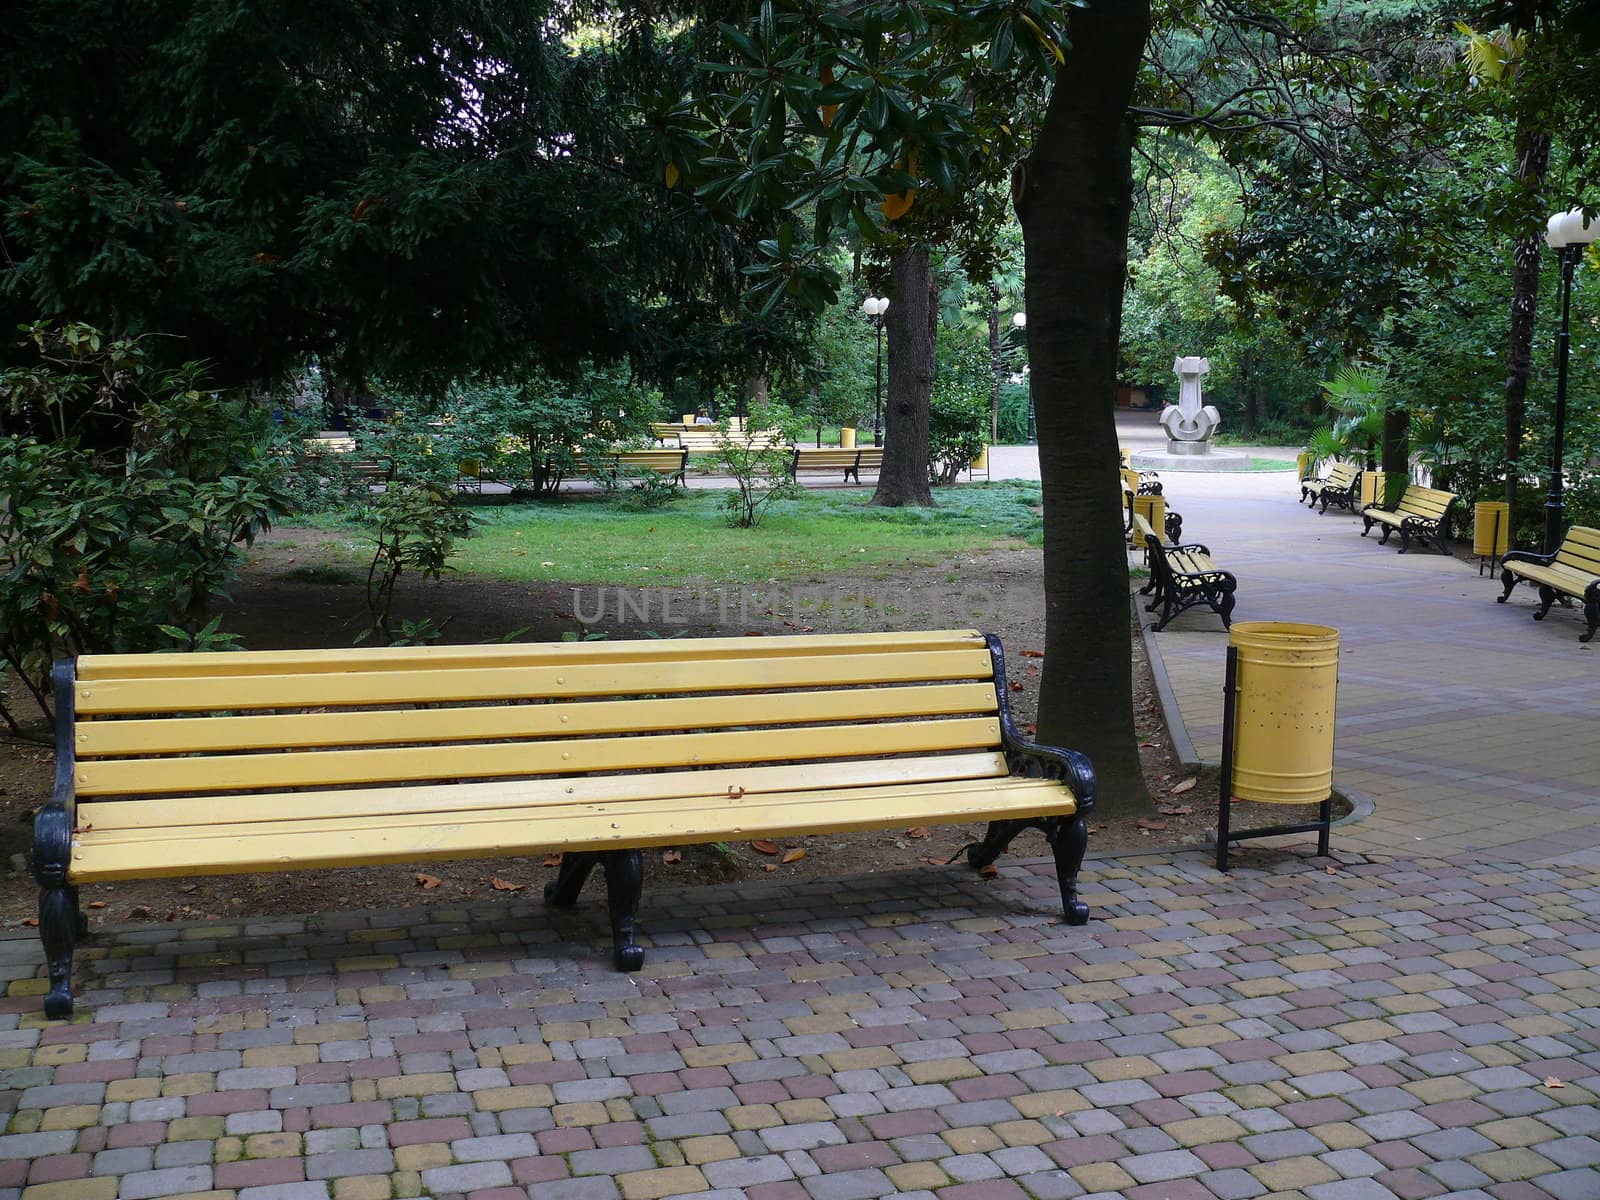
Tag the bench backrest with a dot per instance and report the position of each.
(656, 460)
(1143, 532)
(706, 438)
(1425, 502)
(1581, 549)
(833, 459)
(1342, 475)
(878, 707)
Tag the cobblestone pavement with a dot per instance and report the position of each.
(1367, 1031)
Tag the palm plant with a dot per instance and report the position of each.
(1359, 396)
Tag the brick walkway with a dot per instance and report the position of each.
(1383, 1029)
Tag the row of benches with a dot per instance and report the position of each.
(1182, 575)
(1421, 514)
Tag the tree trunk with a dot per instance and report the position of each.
(1396, 456)
(1073, 197)
(908, 328)
(1532, 149)
(996, 363)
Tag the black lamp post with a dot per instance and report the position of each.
(1568, 234)
(875, 307)
(1020, 322)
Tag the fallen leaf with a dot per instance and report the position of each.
(1550, 1081)
(552, 860)
(1031, 728)
(1016, 685)
(735, 792)
(31, 922)
(769, 866)
(547, 564)
(428, 882)
(1152, 824)
(1184, 786)
(918, 832)
(672, 856)
(793, 856)
(97, 904)
(1033, 654)
(1180, 810)
(1331, 871)
(505, 885)
(764, 847)
(560, 616)
(990, 872)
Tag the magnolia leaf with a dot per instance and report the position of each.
(1184, 786)
(428, 882)
(672, 856)
(1152, 824)
(793, 856)
(764, 847)
(505, 885)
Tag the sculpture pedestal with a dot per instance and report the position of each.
(1191, 456)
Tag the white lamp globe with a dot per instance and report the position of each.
(1020, 320)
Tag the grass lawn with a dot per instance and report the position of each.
(596, 539)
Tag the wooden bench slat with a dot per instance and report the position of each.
(505, 683)
(580, 718)
(479, 760)
(93, 667)
(103, 817)
(347, 841)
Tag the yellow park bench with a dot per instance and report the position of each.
(1573, 570)
(706, 439)
(204, 764)
(1419, 514)
(668, 462)
(1182, 577)
(1341, 486)
(831, 458)
(371, 470)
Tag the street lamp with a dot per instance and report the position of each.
(1019, 321)
(1567, 233)
(875, 307)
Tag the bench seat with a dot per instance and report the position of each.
(1573, 570)
(671, 463)
(173, 765)
(1421, 515)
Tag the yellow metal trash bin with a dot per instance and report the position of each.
(1278, 718)
(1154, 510)
(1303, 463)
(1491, 532)
(847, 438)
(1371, 488)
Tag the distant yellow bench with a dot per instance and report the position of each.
(1420, 514)
(1341, 486)
(830, 458)
(669, 462)
(1182, 577)
(1573, 570)
(203, 764)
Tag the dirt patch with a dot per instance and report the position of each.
(296, 593)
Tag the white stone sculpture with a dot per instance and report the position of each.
(1190, 424)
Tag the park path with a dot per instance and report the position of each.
(1468, 725)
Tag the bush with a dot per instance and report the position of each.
(127, 500)
(760, 474)
(958, 410)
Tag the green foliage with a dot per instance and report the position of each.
(376, 185)
(759, 470)
(122, 545)
(537, 432)
(958, 408)
(1360, 395)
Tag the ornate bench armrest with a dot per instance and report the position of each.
(1024, 757)
(1195, 547)
(52, 826)
(1528, 556)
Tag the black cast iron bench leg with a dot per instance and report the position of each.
(624, 871)
(1069, 840)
